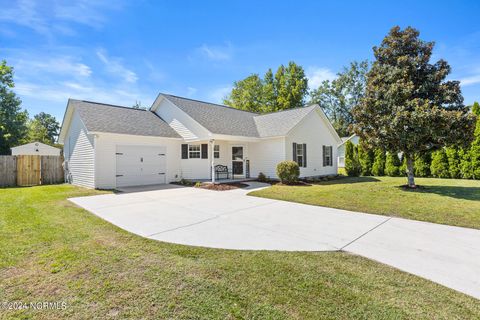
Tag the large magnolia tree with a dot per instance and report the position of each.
(408, 106)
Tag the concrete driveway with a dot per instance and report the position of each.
(231, 220)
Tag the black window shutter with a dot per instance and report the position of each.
(184, 151)
(294, 158)
(305, 155)
(331, 156)
(323, 154)
(204, 151)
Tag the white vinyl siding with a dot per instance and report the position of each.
(313, 131)
(201, 168)
(79, 154)
(265, 155)
(105, 155)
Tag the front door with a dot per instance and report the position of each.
(237, 160)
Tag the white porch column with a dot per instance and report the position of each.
(212, 154)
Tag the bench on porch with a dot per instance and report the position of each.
(221, 170)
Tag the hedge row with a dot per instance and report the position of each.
(450, 162)
(453, 163)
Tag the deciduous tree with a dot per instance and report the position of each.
(44, 128)
(339, 96)
(286, 89)
(12, 118)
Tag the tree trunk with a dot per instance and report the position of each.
(410, 172)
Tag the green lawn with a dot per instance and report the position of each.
(445, 201)
(54, 251)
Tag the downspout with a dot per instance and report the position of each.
(212, 155)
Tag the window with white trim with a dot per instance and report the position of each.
(194, 151)
(327, 156)
(300, 154)
(216, 151)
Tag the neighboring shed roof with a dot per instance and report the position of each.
(345, 139)
(220, 119)
(99, 117)
(35, 143)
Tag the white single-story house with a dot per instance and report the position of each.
(107, 146)
(341, 148)
(35, 148)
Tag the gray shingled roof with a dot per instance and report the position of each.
(220, 119)
(217, 118)
(99, 117)
(280, 123)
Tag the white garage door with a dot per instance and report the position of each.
(140, 165)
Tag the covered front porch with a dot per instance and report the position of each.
(217, 161)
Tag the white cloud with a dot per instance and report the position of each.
(51, 17)
(46, 82)
(217, 53)
(115, 66)
(60, 65)
(25, 13)
(317, 75)
(86, 12)
(218, 94)
(61, 92)
(470, 80)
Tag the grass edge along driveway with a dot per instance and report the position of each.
(55, 251)
(445, 201)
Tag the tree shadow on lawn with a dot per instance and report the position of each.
(465, 193)
(348, 180)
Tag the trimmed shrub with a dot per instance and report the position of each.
(392, 165)
(262, 177)
(288, 171)
(352, 164)
(422, 164)
(476, 109)
(378, 167)
(466, 169)
(475, 149)
(475, 157)
(453, 163)
(439, 167)
(365, 157)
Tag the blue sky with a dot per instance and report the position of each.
(120, 52)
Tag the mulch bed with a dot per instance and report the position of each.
(223, 186)
(407, 188)
(297, 184)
